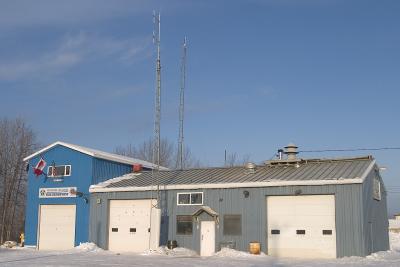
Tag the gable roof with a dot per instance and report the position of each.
(303, 172)
(96, 154)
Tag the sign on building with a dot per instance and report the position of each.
(57, 192)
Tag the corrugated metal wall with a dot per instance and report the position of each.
(349, 215)
(105, 169)
(376, 224)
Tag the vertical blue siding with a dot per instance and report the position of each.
(105, 169)
(81, 172)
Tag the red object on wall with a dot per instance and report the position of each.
(137, 167)
(38, 170)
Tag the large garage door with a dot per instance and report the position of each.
(301, 226)
(56, 227)
(129, 225)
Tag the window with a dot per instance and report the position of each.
(377, 188)
(327, 232)
(232, 224)
(58, 171)
(195, 198)
(301, 232)
(184, 225)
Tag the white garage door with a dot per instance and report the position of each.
(56, 227)
(301, 226)
(129, 225)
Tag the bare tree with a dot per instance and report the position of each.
(232, 159)
(168, 153)
(16, 142)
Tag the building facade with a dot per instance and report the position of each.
(57, 207)
(293, 208)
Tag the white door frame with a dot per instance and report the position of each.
(315, 214)
(39, 221)
(207, 238)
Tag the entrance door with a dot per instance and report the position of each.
(130, 225)
(56, 227)
(301, 226)
(207, 238)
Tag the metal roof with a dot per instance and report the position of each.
(96, 154)
(342, 170)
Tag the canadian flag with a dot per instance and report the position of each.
(38, 170)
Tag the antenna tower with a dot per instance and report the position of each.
(157, 116)
(181, 150)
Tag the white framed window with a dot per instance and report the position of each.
(189, 198)
(59, 171)
(376, 191)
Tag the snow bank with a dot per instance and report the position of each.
(394, 241)
(232, 253)
(88, 247)
(394, 223)
(176, 252)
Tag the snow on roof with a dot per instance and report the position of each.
(96, 154)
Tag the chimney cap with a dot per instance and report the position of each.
(291, 145)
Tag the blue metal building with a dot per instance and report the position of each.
(57, 206)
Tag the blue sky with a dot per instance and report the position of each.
(260, 74)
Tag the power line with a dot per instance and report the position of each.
(349, 149)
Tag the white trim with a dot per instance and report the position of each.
(190, 198)
(368, 170)
(94, 188)
(96, 154)
(65, 169)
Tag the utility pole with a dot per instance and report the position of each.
(181, 149)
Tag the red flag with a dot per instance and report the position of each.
(38, 170)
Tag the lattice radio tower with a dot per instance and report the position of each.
(181, 149)
(157, 115)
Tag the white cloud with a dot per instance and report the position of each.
(27, 13)
(73, 50)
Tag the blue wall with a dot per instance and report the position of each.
(85, 171)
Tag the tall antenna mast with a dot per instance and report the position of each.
(181, 150)
(157, 115)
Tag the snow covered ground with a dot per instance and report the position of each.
(89, 255)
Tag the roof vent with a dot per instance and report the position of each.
(250, 167)
(291, 151)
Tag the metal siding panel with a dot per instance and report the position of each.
(375, 222)
(105, 169)
(252, 209)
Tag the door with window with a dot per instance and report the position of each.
(301, 226)
(129, 225)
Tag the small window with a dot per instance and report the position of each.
(59, 171)
(301, 232)
(327, 232)
(132, 230)
(114, 229)
(275, 232)
(184, 225)
(195, 198)
(232, 224)
(377, 188)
